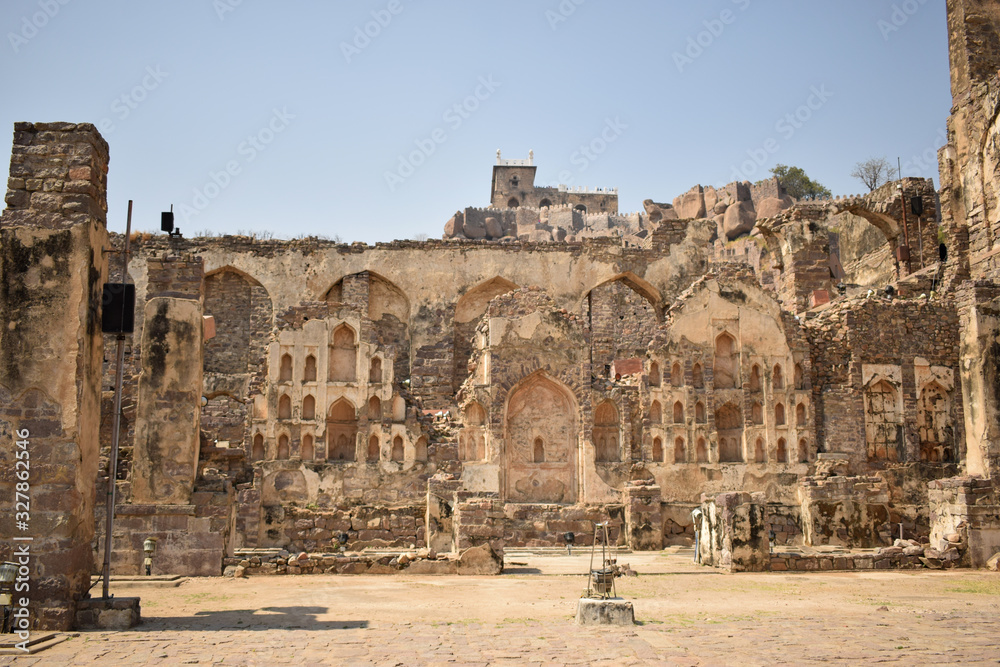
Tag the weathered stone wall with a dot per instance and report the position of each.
(52, 265)
(734, 533)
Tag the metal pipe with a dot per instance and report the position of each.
(116, 423)
(906, 231)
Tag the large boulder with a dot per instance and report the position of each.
(740, 219)
(772, 206)
(711, 199)
(691, 204)
(456, 226)
(493, 228)
(480, 560)
(475, 230)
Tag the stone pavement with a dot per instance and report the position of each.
(690, 616)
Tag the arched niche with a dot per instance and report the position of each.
(883, 422)
(623, 312)
(341, 431)
(934, 424)
(283, 447)
(606, 433)
(242, 311)
(308, 408)
(285, 368)
(540, 406)
(680, 454)
(257, 452)
(308, 448)
(373, 448)
(726, 367)
(398, 452)
(729, 427)
(343, 355)
(468, 310)
(472, 438)
(655, 413)
(657, 450)
(374, 409)
(309, 371)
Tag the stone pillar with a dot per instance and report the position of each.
(168, 411)
(441, 501)
(734, 533)
(979, 358)
(52, 268)
(643, 517)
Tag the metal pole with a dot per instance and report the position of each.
(906, 231)
(116, 423)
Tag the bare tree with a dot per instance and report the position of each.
(873, 172)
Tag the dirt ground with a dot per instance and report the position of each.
(685, 615)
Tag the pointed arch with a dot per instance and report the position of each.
(699, 413)
(374, 409)
(474, 415)
(654, 375)
(539, 451)
(308, 407)
(540, 406)
(657, 450)
(697, 376)
(283, 447)
(341, 430)
(343, 355)
(934, 424)
(257, 452)
(373, 448)
(606, 432)
(726, 368)
(676, 375)
(759, 455)
(803, 451)
(782, 453)
(757, 413)
(420, 449)
(242, 310)
(398, 451)
(702, 451)
(678, 412)
(680, 454)
(778, 377)
(655, 413)
(800, 414)
(285, 368)
(755, 383)
(468, 310)
(284, 407)
(308, 448)
(800, 377)
(309, 372)
(375, 371)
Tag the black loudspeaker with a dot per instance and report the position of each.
(167, 221)
(118, 308)
(917, 206)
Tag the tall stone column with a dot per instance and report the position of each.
(52, 266)
(168, 411)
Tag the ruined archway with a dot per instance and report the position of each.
(540, 407)
(623, 311)
(468, 310)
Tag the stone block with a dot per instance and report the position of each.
(615, 611)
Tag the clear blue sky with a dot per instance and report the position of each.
(182, 86)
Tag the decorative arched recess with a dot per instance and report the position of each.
(541, 407)
(623, 312)
(242, 310)
(468, 310)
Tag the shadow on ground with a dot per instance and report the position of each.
(266, 618)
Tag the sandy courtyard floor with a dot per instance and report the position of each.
(687, 615)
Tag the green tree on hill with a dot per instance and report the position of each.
(798, 184)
